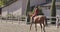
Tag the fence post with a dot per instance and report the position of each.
(6, 19)
(12, 20)
(26, 19)
(19, 19)
(57, 21)
(1, 18)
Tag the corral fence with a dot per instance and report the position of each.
(24, 19)
(12, 24)
(49, 19)
(18, 19)
(57, 20)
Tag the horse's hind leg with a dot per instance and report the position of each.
(36, 27)
(46, 22)
(41, 27)
(31, 26)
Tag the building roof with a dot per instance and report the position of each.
(49, 4)
(8, 3)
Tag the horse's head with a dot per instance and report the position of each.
(30, 14)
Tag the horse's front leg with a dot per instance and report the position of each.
(36, 27)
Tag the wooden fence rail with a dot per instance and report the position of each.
(57, 20)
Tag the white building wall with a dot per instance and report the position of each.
(58, 12)
(32, 3)
(24, 6)
(16, 8)
(19, 7)
(46, 12)
(36, 2)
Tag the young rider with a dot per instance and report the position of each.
(36, 11)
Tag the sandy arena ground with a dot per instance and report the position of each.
(14, 26)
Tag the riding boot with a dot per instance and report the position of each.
(32, 19)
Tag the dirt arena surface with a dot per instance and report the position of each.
(15, 26)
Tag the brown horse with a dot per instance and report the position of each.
(41, 19)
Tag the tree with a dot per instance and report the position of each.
(28, 9)
(4, 3)
(1, 3)
(53, 9)
(0, 10)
